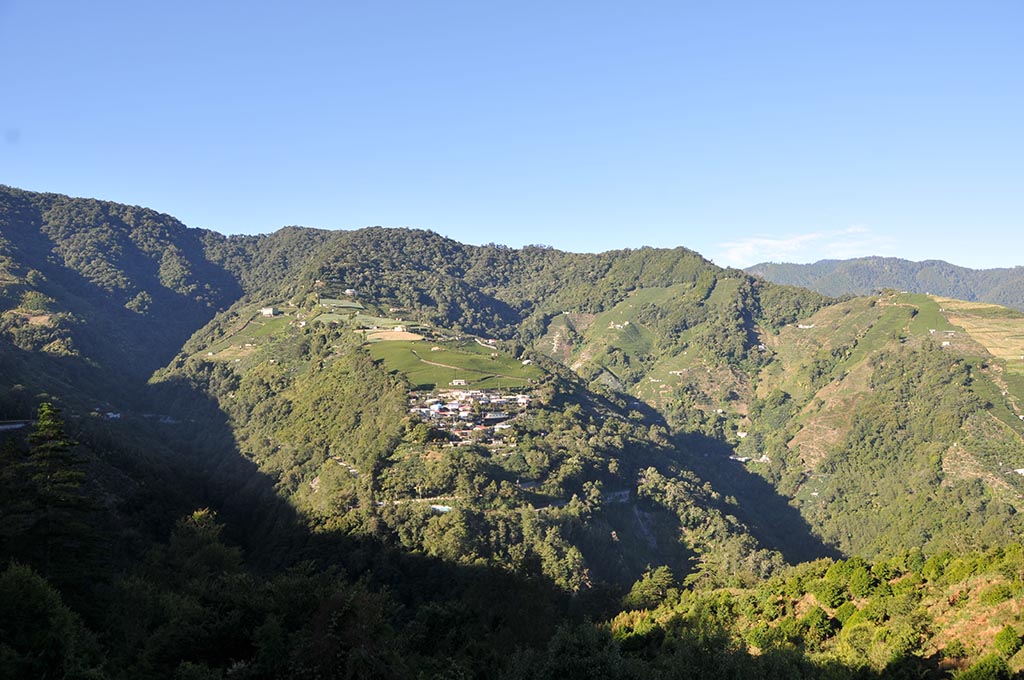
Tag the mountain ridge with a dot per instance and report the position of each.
(861, 276)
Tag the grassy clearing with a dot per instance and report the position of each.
(333, 318)
(669, 373)
(234, 352)
(812, 488)
(1015, 381)
(618, 326)
(261, 328)
(723, 293)
(258, 330)
(929, 315)
(468, 361)
(340, 304)
(375, 322)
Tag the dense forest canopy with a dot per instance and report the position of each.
(384, 453)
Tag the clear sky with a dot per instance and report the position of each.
(748, 131)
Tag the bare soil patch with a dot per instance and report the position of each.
(393, 335)
(39, 320)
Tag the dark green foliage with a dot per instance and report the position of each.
(125, 286)
(580, 653)
(49, 516)
(818, 626)
(39, 636)
(955, 650)
(651, 589)
(861, 582)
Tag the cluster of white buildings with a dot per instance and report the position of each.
(461, 413)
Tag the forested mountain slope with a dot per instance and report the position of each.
(864, 275)
(394, 424)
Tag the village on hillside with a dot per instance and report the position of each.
(468, 416)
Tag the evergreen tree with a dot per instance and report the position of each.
(53, 513)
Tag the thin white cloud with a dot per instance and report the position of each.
(854, 241)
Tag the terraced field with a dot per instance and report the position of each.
(999, 329)
(340, 304)
(248, 335)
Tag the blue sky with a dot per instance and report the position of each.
(748, 131)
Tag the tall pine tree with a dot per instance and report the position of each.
(47, 512)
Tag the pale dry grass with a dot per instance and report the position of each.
(1002, 337)
(973, 624)
(234, 352)
(39, 320)
(392, 335)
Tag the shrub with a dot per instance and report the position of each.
(991, 667)
(845, 611)
(35, 301)
(1000, 592)
(828, 593)
(954, 650)
(1007, 641)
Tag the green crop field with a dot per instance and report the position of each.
(258, 330)
(667, 374)
(330, 317)
(262, 328)
(341, 304)
(723, 293)
(618, 327)
(468, 361)
(928, 316)
(1015, 381)
(891, 324)
(983, 386)
(368, 321)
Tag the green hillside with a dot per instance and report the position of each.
(385, 451)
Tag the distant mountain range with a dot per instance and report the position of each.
(863, 275)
